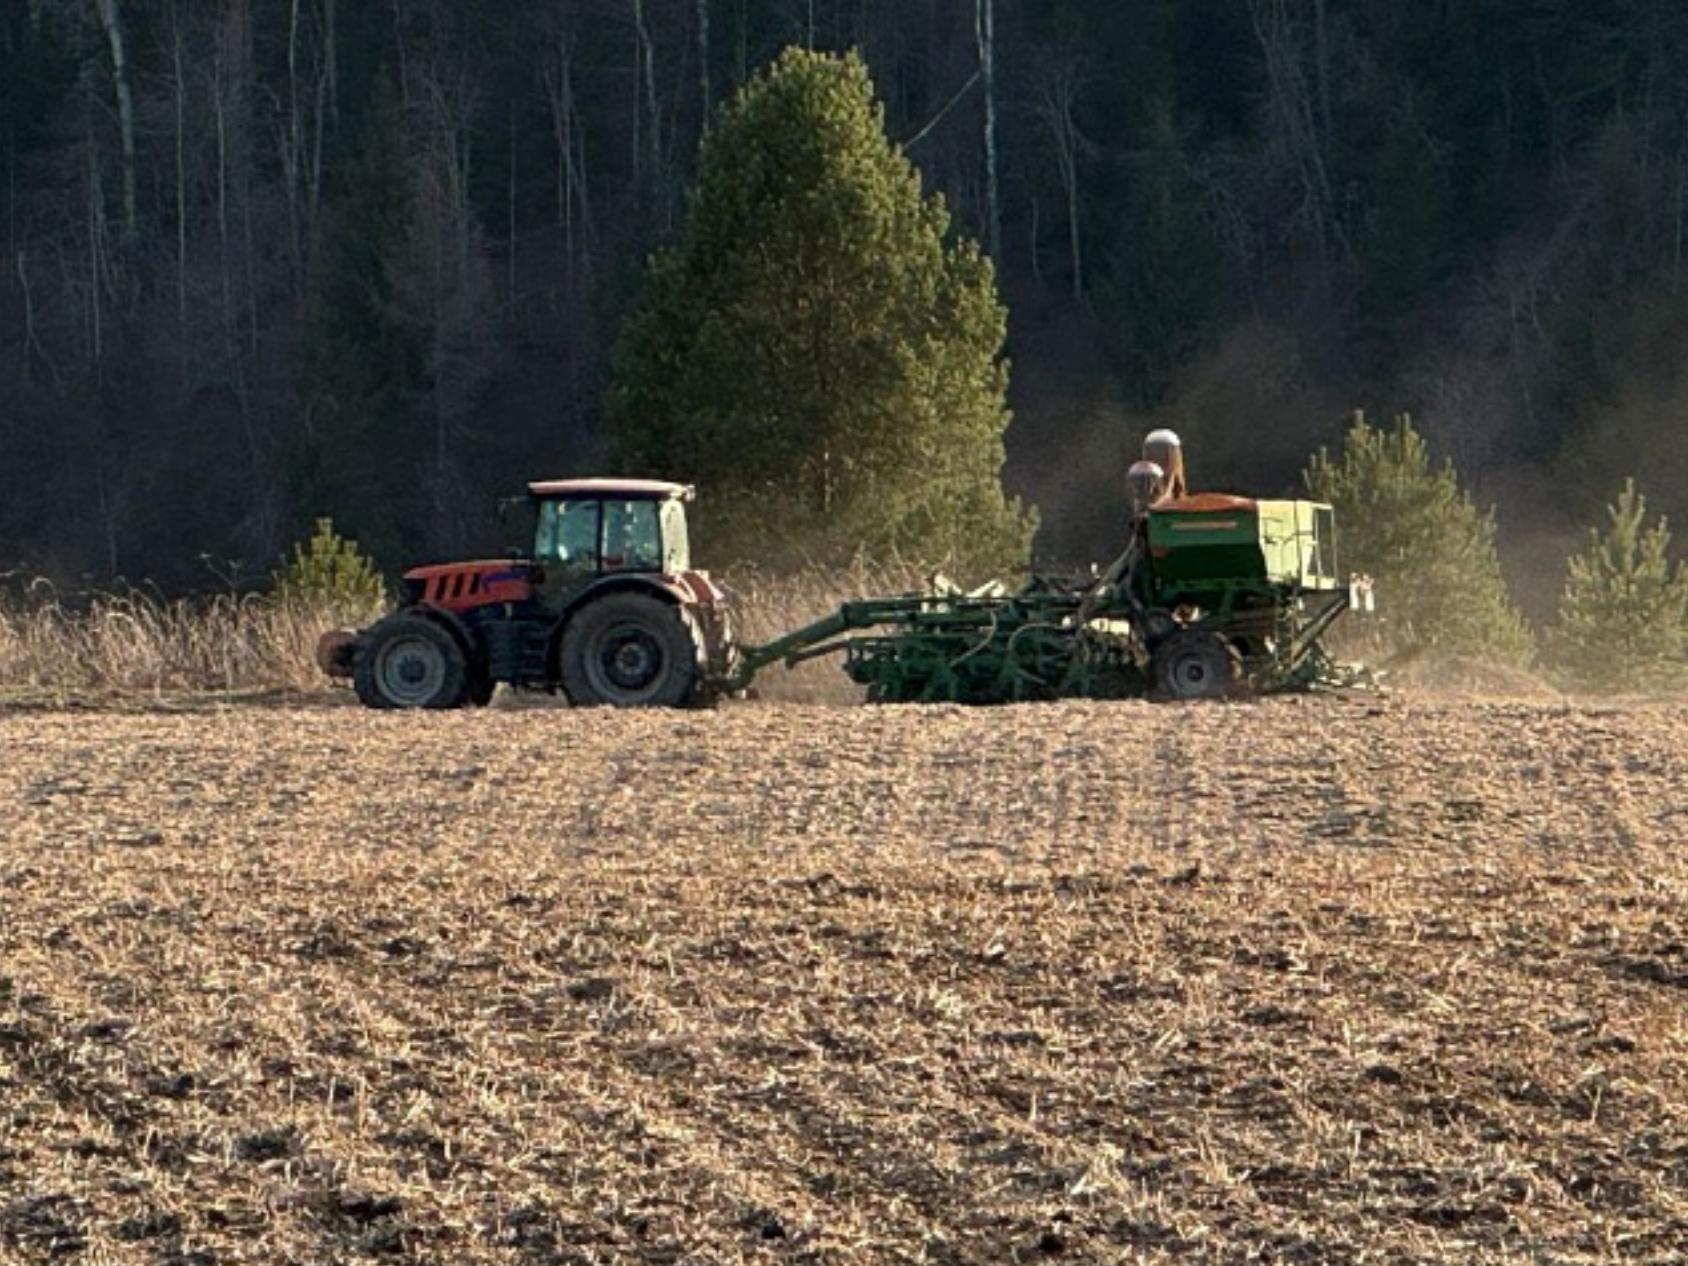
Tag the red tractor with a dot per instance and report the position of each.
(607, 610)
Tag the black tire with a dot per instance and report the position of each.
(408, 661)
(1195, 665)
(628, 650)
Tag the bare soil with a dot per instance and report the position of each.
(1355, 980)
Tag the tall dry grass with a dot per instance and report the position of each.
(135, 641)
(767, 605)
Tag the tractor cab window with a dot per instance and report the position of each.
(632, 536)
(676, 549)
(568, 536)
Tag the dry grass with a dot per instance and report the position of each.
(1310, 981)
(132, 642)
(137, 642)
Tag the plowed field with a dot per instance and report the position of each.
(1310, 981)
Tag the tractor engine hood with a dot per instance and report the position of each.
(462, 587)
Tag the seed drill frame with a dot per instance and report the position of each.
(1214, 595)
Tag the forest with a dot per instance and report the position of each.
(267, 260)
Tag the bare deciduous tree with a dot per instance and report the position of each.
(985, 31)
(1294, 107)
(1059, 83)
(111, 19)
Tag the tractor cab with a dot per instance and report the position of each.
(586, 529)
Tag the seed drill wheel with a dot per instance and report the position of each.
(407, 661)
(1195, 665)
(629, 650)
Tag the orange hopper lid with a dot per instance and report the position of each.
(1207, 503)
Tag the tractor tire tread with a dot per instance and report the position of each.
(664, 621)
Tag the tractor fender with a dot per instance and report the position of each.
(668, 588)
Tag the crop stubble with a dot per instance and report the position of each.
(1350, 980)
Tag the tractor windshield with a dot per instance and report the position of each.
(632, 536)
(567, 536)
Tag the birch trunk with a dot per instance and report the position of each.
(985, 29)
(703, 63)
(293, 148)
(219, 112)
(1058, 106)
(315, 191)
(331, 58)
(1681, 204)
(574, 208)
(638, 135)
(1321, 39)
(96, 281)
(111, 19)
(404, 60)
(181, 181)
(1294, 113)
(31, 344)
(647, 62)
(1075, 242)
(512, 191)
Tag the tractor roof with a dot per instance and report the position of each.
(627, 489)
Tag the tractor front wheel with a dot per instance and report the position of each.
(1195, 665)
(627, 650)
(408, 661)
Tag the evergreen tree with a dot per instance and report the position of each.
(1409, 525)
(1623, 618)
(813, 351)
(328, 570)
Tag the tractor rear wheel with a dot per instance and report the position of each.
(408, 661)
(1195, 665)
(628, 650)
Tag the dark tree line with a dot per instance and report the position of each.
(270, 259)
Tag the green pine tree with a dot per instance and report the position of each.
(1623, 618)
(813, 350)
(328, 570)
(1409, 525)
